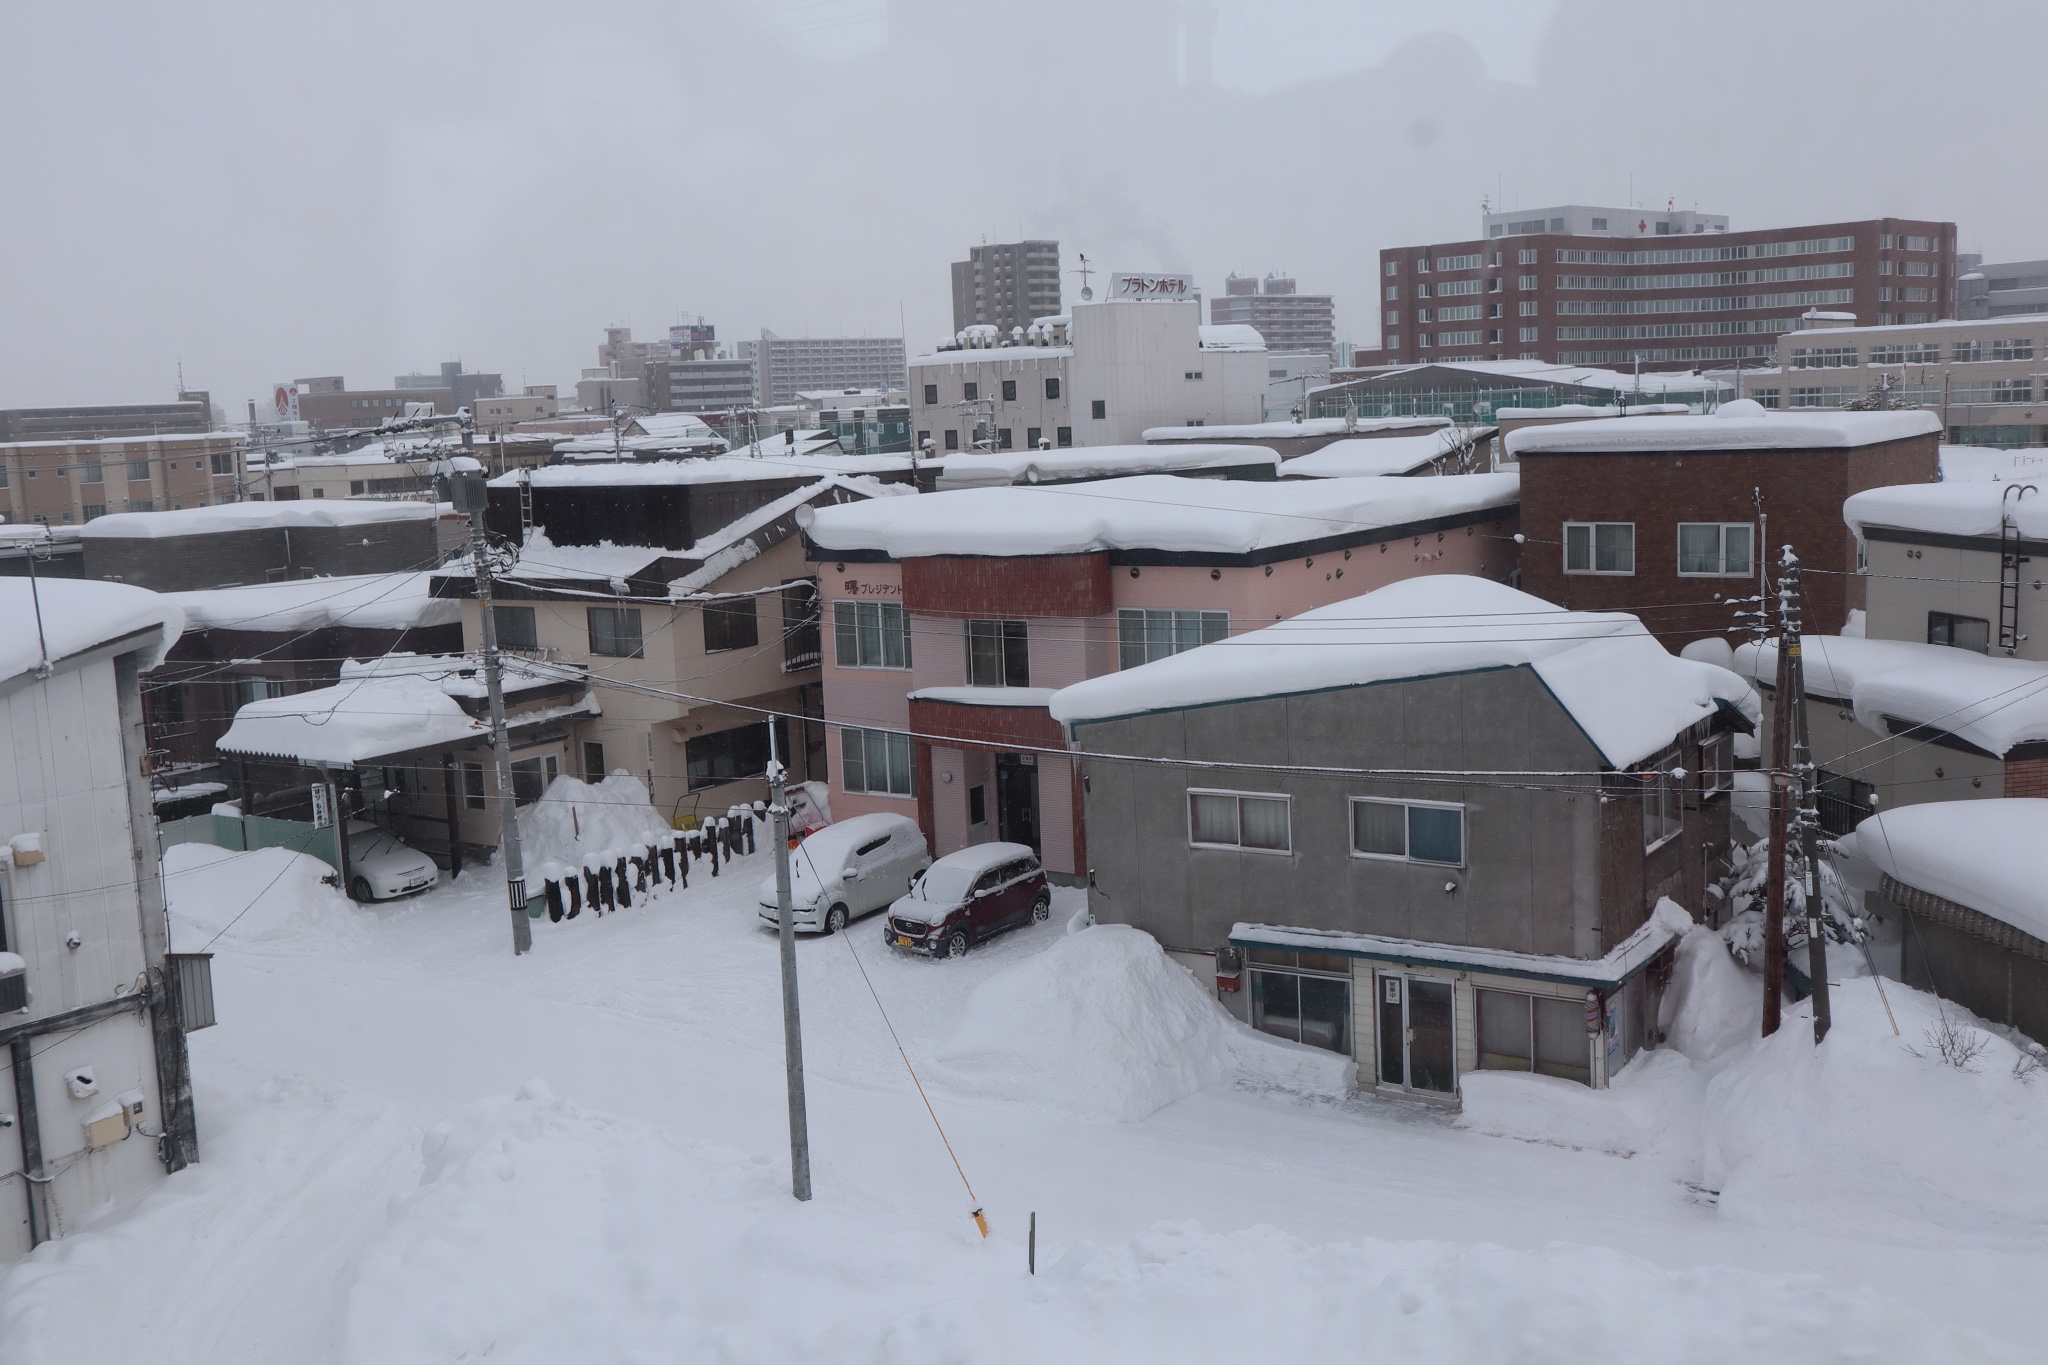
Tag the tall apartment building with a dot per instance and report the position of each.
(787, 366)
(193, 412)
(1579, 285)
(1289, 321)
(60, 483)
(1006, 285)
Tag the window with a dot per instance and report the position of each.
(90, 473)
(1527, 257)
(1052, 386)
(1824, 396)
(1422, 290)
(138, 471)
(931, 393)
(1598, 225)
(615, 632)
(1393, 268)
(1009, 390)
(1427, 314)
(1219, 819)
(1458, 262)
(1191, 374)
(1529, 309)
(1823, 357)
(94, 509)
(870, 635)
(473, 786)
(998, 654)
(2013, 348)
(1393, 293)
(1527, 333)
(1302, 997)
(875, 761)
(516, 627)
(529, 779)
(1842, 802)
(1663, 809)
(1923, 353)
(1716, 549)
(593, 761)
(1149, 633)
(1964, 352)
(727, 755)
(223, 461)
(1065, 437)
(952, 438)
(1423, 340)
(970, 391)
(1538, 1033)
(1393, 320)
(1408, 831)
(731, 624)
(1960, 632)
(1032, 436)
(1600, 547)
(357, 486)
(1887, 355)
(1717, 765)
(1098, 409)
(1394, 341)
(1422, 266)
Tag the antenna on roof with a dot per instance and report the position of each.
(1084, 272)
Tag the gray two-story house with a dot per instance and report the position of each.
(1428, 827)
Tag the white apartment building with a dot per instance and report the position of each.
(1987, 378)
(1099, 374)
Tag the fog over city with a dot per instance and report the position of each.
(258, 192)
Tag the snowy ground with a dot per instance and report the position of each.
(417, 1148)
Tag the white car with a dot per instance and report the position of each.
(381, 868)
(847, 870)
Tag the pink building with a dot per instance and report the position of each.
(951, 618)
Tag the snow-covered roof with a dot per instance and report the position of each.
(462, 675)
(1665, 926)
(1578, 410)
(981, 355)
(1543, 372)
(353, 721)
(739, 541)
(369, 601)
(1965, 464)
(670, 424)
(540, 558)
(1274, 431)
(2021, 323)
(1230, 336)
(732, 468)
(1377, 455)
(1740, 425)
(254, 516)
(1954, 509)
(986, 696)
(1000, 468)
(36, 533)
(1151, 512)
(78, 615)
(1992, 703)
(1987, 855)
(1624, 690)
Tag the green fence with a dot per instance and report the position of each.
(244, 832)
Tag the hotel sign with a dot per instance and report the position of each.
(1138, 285)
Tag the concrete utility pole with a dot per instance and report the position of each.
(1804, 772)
(467, 485)
(1774, 870)
(792, 1022)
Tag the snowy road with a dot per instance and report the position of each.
(370, 1192)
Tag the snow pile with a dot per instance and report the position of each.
(365, 601)
(297, 898)
(254, 516)
(997, 469)
(1741, 425)
(1381, 455)
(1972, 508)
(1871, 1124)
(575, 822)
(1104, 1022)
(1625, 691)
(1990, 855)
(76, 615)
(351, 721)
(1648, 1107)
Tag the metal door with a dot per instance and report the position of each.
(1417, 1037)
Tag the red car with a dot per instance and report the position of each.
(968, 896)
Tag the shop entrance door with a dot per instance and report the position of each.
(1417, 1042)
(1017, 799)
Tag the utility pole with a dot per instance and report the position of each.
(467, 485)
(1774, 871)
(792, 1022)
(1794, 674)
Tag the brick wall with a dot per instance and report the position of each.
(2027, 776)
(1803, 491)
(1011, 586)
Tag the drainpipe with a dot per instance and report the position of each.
(37, 1183)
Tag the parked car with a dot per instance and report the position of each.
(381, 868)
(847, 870)
(968, 896)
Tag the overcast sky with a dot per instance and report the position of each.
(267, 191)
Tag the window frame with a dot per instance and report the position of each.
(1593, 529)
(854, 766)
(1013, 648)
(1667, 792)
(1098, 410)
(1286, 799)
(620, 615)
(1204, 623)
(1717, 762)
(1722, 528)
(737, 617)
(848, 631)
(501, 612)
(1407, 830)
(1950, 620)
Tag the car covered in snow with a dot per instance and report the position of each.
(847, 870)
(968, 896)
(381, 868)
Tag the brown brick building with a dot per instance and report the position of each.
(61, 483)
(1665, 290)
(1671, 518)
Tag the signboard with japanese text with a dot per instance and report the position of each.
(1141, 285)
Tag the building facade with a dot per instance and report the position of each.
(466, 388)
(1669, 291)
(1099, 376)
(2003, 289)
(1006, 285)
(1672, 518)
(192, 414)
(1289, 321)
(327, 403)
(92, 1037)
(785, 367)
(60, 483)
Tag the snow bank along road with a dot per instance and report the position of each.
(417, 1148)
